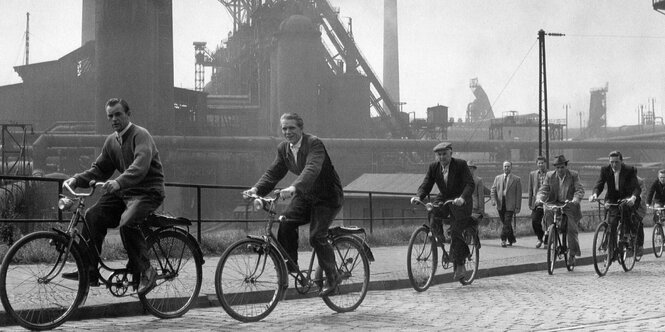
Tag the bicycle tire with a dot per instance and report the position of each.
(31, 302)
(421, 259)
(658, 240)
(239, 290)
(473, 260)
(353, 266)
(176, 259)
(552, 245)
(601, 254)
(628, 252)
(565, 249)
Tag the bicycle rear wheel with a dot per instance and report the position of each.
(552, 244)
(601, 252)
(176, 259)
(658, 240)
(628, 251)
(472, 261)
(353, 266)
(249, 280)
(421, 259)
(31, 288)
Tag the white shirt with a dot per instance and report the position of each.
(616, 179)
(506, 177)
(445, 172)
(118, 135)
(295, 148)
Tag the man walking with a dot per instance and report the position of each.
(536, 179)
(506, 195)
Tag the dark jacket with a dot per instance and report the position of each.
(317, 178)
(628, 185)
(656, 194)
(460, 182)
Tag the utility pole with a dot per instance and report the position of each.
(580, 123)
(27, 39)
(566, 106)
(542, 98)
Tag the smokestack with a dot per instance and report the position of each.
(390, 50)
(88, 21)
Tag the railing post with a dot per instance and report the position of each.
(371, 215)
(198, 213)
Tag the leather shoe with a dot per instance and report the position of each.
(93, 279)
(539, 243)
(503, 244)
(331, 286)
(148, 280)
(571, 260)
(640, 251)
(460, 272)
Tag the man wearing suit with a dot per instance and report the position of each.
(453, 178)
(560, 186)
(622, 183)
(536, 179)
(506, 195)
(317, 194)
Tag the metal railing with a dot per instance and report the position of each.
(372, 196)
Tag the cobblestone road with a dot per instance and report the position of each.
(576, 300)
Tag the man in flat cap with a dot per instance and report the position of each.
(559, 187)
(453, 178)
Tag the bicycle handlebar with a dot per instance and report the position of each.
(556, 206)
(93, 185)
(430, 206)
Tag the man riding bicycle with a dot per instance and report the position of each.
(317, 195)
(453, 178)
(622, 184)
(559, 187)
(131, 197)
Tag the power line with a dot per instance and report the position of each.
(514, 72)
(617, 36)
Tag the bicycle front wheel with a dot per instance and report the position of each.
(31, 287)
(249, 280)
(473, 260)
(601, 250)
(658, 240)
(628, 251)
(421, 259)
(353, 266)
(176, 259)
(552, 245)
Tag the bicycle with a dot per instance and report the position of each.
(658, 237)
(557, 244)
(624, 248)
(37, 297)
(252, 275)
(422, 253)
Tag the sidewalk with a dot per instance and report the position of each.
(387, 272)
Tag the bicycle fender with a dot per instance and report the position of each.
(84, 253)
(198, 253)
(359, 241)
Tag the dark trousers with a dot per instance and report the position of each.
(460, 218)
(506, 217)
(128, 211)
(537, 222)
(319, 214)
(613, 220)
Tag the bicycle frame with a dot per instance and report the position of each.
(72, 233)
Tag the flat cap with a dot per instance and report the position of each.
(443, 146)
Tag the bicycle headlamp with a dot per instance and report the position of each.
(258, 205)
(65, 203)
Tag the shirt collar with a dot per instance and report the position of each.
(119, 135)
(297, 145)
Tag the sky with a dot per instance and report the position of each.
(442, 45)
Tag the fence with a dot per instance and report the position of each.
(197, 215)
